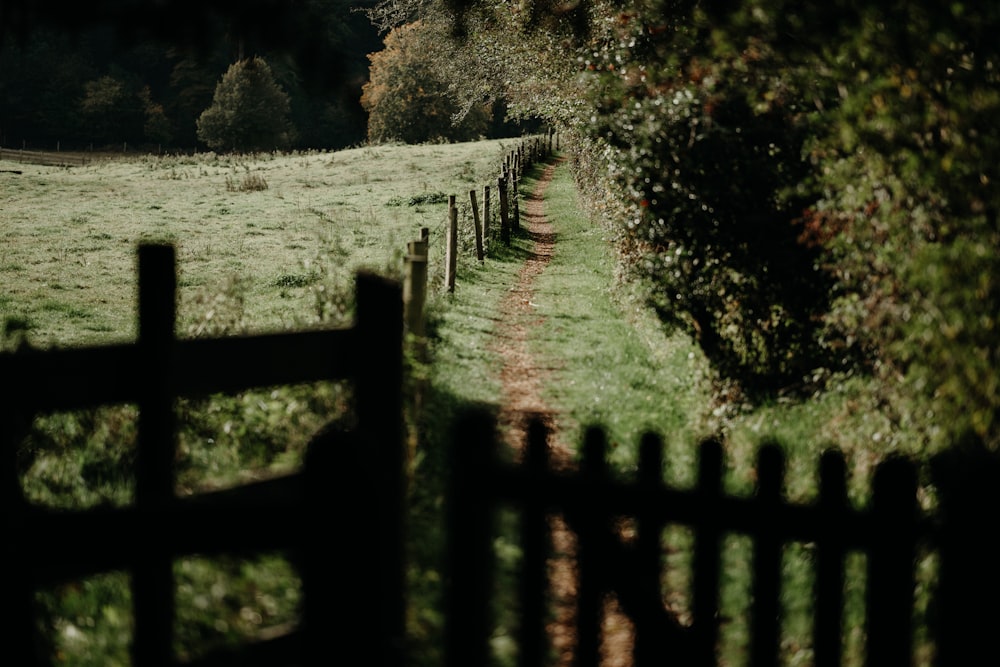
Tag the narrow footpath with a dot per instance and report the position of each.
(523, 377)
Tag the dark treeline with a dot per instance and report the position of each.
(101, 74)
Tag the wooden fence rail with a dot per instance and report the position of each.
(888, 532)
(351, 486)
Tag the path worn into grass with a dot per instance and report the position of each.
(522, 377)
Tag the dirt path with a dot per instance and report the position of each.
(522, 377)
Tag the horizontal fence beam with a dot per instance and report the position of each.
(67, 379)
(731, 514)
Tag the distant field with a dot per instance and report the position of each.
(247, 259)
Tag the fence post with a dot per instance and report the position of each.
(504, 221)
(478, 226)
(152, 575)
(891, 563)
(515, 201)
(469, 574)
(415, 287)
(486, 215)
(451, 245)
(378, 382)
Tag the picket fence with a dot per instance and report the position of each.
(339, 519)
(889, 532)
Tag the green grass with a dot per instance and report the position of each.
(69, 236)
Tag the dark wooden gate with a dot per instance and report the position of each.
(349, 493)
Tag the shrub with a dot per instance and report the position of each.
(249, 111)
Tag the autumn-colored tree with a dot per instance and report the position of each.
(407, 98)
(249, 112)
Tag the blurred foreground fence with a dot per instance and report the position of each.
(350, 489)
(594, 504)
(341, 518)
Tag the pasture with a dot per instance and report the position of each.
(261, 239)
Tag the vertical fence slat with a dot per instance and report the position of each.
(765, 617)
(891, 563)
(378, 385)
(152, 577)
(535, 547)
(592, 528)
(829, 586)
(707, 554)
(470, 531)
(650, 644)
(968, 480)
(17, 628)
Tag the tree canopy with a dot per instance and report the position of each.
(249, 111)
(809, 189)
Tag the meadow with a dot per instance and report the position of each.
(267, 230)
(269, 242)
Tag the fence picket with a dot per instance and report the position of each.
(891, 563)
(535, 546)
(152, 572)
(829, 586)
(591, 523)
(765, 630)
(707, 554)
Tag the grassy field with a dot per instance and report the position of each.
(271, 242)
(254, 258)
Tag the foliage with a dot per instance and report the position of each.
(249, 111)
(810, 190)
(406, 98)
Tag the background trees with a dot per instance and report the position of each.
(170, 59)
(407, 98)
(249, 111)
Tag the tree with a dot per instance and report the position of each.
(406, 97)
(249, 111)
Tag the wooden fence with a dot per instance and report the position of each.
(339, 519)
(888, 532)
(500, 197)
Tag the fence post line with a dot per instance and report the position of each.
(152, 575)
(765, 633)
(476, 223)
(451, 245)
(829, 586)
(415, 287)
(891, 563)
